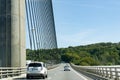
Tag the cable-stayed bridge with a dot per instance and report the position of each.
(41, 27)
(15, 16)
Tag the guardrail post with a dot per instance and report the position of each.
(21, 70)
(7, 73)
(0, 73)
(107, 72)
(96, 70)
(100, 73)
(116, 74)
(103, 72)
(111, 75)
(13, 73)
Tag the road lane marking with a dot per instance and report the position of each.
(79, 74)
(49, 78)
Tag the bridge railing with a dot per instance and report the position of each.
(52, 66)
(107, 72)
(6, 72)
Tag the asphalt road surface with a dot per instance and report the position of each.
(59, 74)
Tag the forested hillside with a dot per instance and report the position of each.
(94, 54)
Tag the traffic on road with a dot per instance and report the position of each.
(59, 74)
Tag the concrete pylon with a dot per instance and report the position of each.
(18, 56)
(12, 33)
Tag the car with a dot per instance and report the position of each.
(37, 69)
(66, 68)
(28, 62)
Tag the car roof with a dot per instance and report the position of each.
(66, 66)
(37, 62)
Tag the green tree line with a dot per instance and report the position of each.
(93, 54)
(45, 55)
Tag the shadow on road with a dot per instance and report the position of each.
(28, 79)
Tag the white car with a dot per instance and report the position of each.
(36, 69)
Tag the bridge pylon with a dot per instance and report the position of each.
(12, 33)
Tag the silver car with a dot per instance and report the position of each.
(66, 68)
(36, 69)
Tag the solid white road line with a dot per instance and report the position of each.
(79, 74)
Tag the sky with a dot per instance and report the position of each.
(82, 22)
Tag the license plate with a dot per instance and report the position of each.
(34, 69)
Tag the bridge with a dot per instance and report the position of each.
(15, 17)
(41, 28)
(57, 72)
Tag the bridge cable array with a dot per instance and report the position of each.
(41, 26)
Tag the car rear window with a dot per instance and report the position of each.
(35, 65)
(66, 66)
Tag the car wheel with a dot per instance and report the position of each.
(28, 77)
(46, 76)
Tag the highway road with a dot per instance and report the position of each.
(59, 74)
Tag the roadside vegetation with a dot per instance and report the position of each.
(89, 55)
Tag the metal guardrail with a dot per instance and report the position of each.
(6, 72)
(52, 66)
(106, 72)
